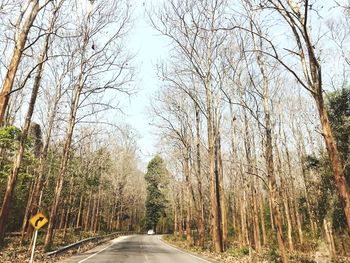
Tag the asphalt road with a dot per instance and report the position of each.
(136, 249)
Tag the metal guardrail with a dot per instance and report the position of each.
(85, 241)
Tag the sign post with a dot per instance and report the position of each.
(33, 247)
(37, 221)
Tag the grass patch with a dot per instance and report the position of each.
(274, 255)
(238, 252)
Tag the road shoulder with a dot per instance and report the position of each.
(189, 252)
(81, 257)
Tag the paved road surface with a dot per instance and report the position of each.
(135, 249)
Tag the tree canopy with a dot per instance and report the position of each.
(155, 203)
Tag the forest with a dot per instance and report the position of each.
(251, 118)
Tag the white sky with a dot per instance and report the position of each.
(149, 47)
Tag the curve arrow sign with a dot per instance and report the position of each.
(38, 221)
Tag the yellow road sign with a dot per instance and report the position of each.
(38, 221)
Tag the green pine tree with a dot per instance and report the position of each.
(325, 193)
(155, 203)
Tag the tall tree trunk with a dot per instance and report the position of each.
(188, 197)
(242, 210)
(35, 202)
(112, 219)
(69, 205)
(63, 214)
(269, 153)
(220, 170)
(302, 155)
(255, 213)
(94, 215)
(293, 202)
(67, 145)
(262, 219)
(258, 195)
(63, 167)
(289, 223)
(36, 199)
(26, 212)
(20, 42)
(181, 224)
(285, 190)
(273, 196)
(11, 183)
(271, 215)
(245, 236)
(329, 238)
(334, 156)
(66, 220)
(77, 224)
(97, 210)
(298, 219)
(214, 187)
(175, 220)
(252, 183)
(87, 213)
(201, 219)
(311, 69)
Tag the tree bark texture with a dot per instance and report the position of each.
(15, 61)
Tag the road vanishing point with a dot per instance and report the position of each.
(136, 249)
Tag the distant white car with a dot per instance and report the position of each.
(150, 232)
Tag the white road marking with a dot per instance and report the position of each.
(186, 253)
(113, 242)
(144, 254)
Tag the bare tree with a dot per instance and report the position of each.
(296, 17)
(189, 25)
(16, 166)
(48, 123)
(95, 59)
(174, 117)
(27, 16)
